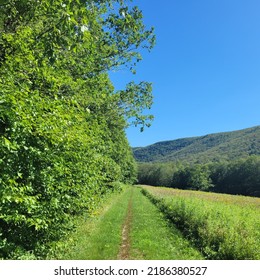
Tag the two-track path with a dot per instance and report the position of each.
(147, 235)
(130, 227)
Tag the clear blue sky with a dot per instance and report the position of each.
(205, 68)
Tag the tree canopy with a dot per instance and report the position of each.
(63, 143)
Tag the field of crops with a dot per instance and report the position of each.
(221, 226)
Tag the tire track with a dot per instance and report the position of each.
(124, 251)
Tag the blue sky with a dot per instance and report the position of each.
(205, 68)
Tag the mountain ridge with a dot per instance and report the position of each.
(209, 147)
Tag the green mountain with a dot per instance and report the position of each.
(211, 147)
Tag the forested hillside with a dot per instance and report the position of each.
(62, 139)
(222, 162)
(208, 148)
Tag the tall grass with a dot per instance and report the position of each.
(223, 228)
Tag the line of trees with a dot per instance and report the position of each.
(241, 176)
(62, 139)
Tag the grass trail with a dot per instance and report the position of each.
(128, 227)
(152, 237)
(98, 237)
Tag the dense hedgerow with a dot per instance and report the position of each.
(62, 139)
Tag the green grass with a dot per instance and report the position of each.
(98, 237)
(152, 238)
(221, 226)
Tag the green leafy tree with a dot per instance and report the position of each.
(62, 139)
(199, 178)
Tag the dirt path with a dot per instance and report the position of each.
(125, 245)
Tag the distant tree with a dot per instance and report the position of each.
(199, 178)
(181, 178)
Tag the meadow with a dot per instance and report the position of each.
(221, 226)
